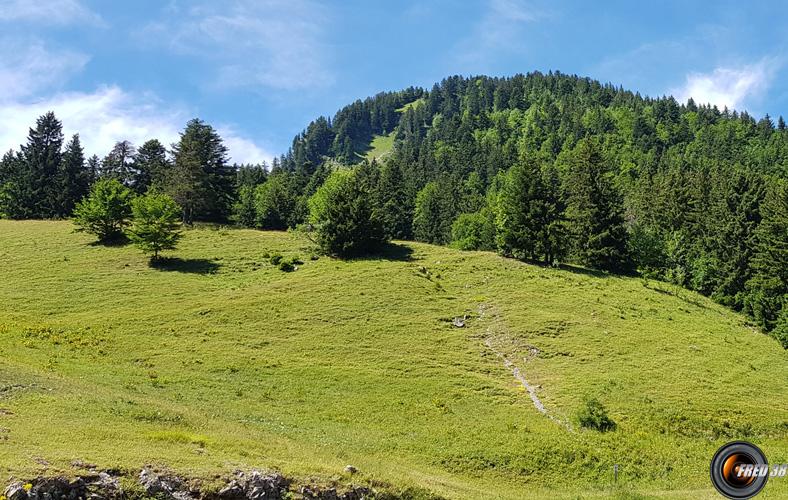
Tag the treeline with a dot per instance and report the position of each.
(45, 180)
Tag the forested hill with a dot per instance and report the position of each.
(683, 187)
(550, 168)
(484, 124)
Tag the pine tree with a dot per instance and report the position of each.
(244, 212)
(11, 171)
(149, 166)
(73, 177)
(201, 145)
(394, 203)
(186, 182)
(274, 203)
(37, 184)
(119, 164)
(528, 215)
(345, 217)
(93, 166)
(768, 288)
(595, 211)
(434, 212)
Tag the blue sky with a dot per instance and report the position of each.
(259, 71)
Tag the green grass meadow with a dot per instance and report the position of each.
(216, 360)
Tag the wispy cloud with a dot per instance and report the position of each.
(29, 66)
(499, 28)
(730, 86)
(275, 43)
(50, 12)
(110, 114)
(101, 118)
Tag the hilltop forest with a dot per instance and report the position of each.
(546, 168)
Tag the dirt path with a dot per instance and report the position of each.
(491, 337)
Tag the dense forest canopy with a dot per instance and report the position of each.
(544, 167)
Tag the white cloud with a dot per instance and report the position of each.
(726, 86)
(101, 118)
(111, 114)
(29, 67)
(243, 150)
(57, 12)
(274, 43)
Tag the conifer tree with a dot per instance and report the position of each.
(394, 204)
(595, 211)
(119, 163)
(202, 149)
(150, 164)
(154, 224)
(73, 177)
(768, 289)
(36, 182)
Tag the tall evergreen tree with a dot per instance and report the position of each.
(37, 184)
(768, 289)
(434, 213)
(119, 163)
(201, 144)
(73, 177)
(150, 163)
(529, 215)
(12, 168)
(187, 182)
(396, 208)
(595, 211)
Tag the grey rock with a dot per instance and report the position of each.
(232, 491)
(171, 486)
(15, 491)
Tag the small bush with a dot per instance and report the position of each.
(474, 231)
(105, 211)
(593, 415)
(276, 259)
(155, 224)
(286, 266)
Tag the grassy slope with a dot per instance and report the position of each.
(225, 362)
(381, 145)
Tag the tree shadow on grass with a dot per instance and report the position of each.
(389, 251)
(191, 266)
(116, 241)
(587, 271)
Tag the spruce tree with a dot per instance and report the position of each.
(768, 288)
(150, 164)
(345, 216)
(186, 182)
(529, 215)
(154, 224)
(37, 195)
(394, 203)
(595, 211)
(200, 144)
(119, 163)
(73, 177)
